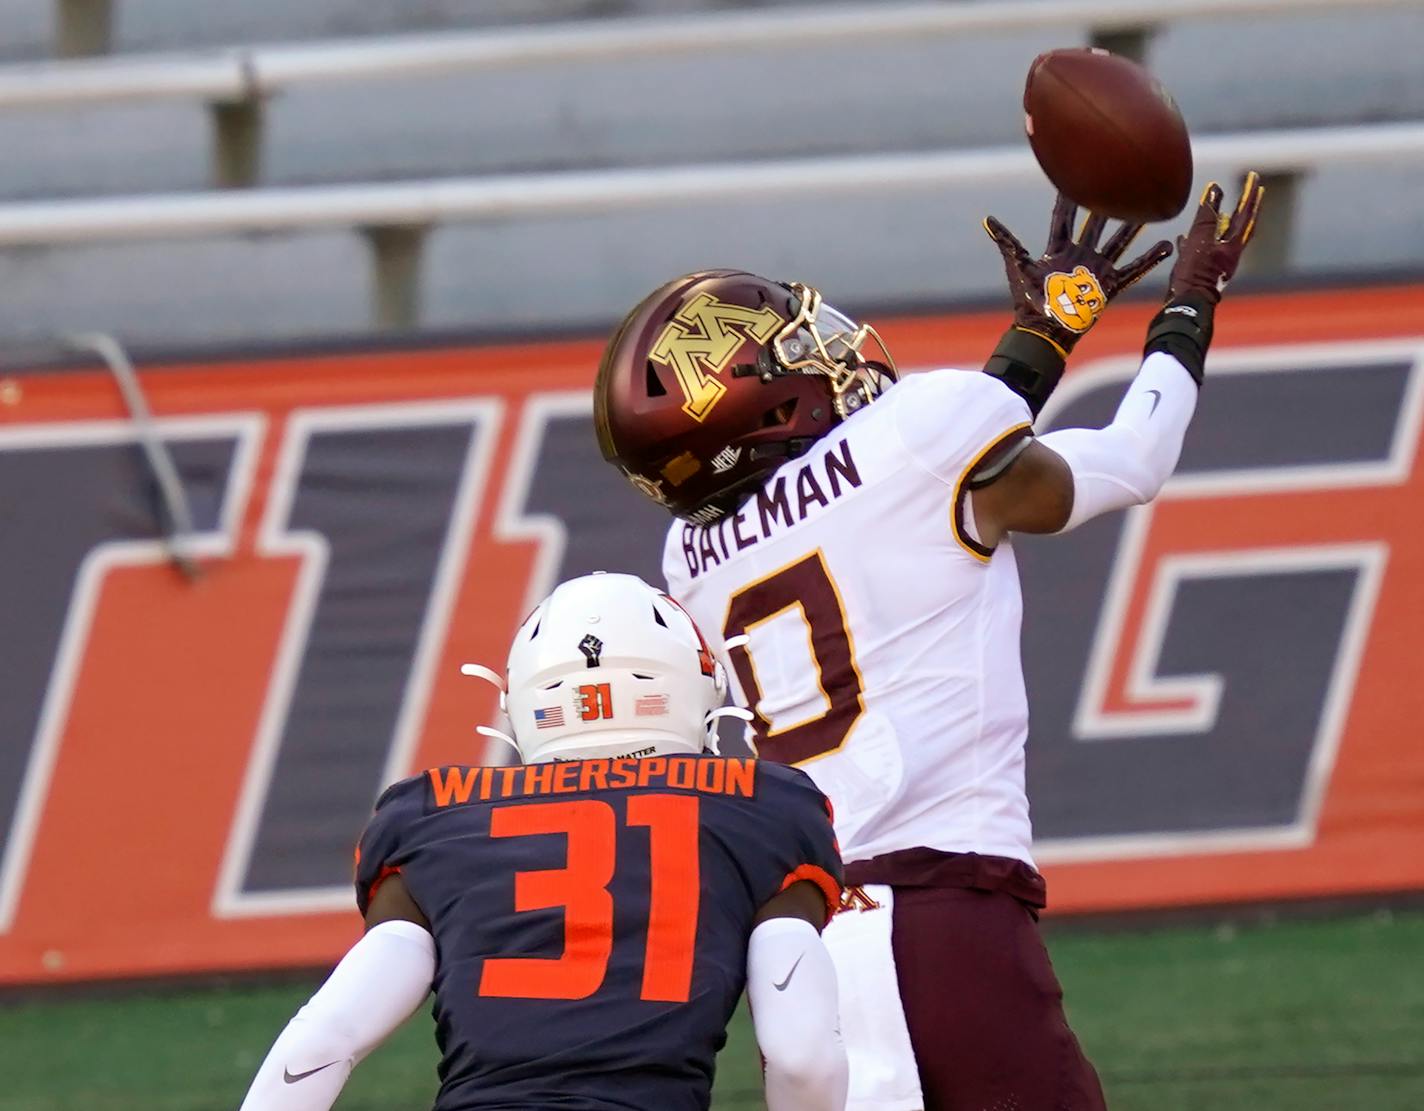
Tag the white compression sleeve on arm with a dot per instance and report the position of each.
(376, 987)
(1128, 462)
(791, 985)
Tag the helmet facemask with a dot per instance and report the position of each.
(822, 340)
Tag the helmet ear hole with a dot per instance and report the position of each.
(654, 382)
(782, 414)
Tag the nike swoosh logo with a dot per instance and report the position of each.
(289, 1078)
(1156, 401)
(782, 986)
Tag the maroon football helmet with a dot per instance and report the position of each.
(717, 378)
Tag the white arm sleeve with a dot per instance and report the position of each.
(377, 986)
(791, 985)
(1128, 462)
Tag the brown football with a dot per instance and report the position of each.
(1108, 135)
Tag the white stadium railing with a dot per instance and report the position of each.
(444, 200)
(396, 215)
(259, 71)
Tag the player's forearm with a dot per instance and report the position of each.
(1129, 461)
(305, 1070)
(375, 988)
(1029, 363)
(791, 985)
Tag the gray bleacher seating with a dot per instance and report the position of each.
(156, 25)
(940, 92)
(24, 29)
(916, 248)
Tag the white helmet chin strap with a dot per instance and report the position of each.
(488, 674)
(714, 742)
(486, 731)
(496, 680)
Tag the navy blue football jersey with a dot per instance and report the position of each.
(591, 918)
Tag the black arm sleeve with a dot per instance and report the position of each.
(1029, 365)
(1183, 330)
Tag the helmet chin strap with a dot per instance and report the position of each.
(495, 734)
(488, 674)
(714, 742)
(496, 680)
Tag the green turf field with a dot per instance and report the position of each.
(1325, 1015)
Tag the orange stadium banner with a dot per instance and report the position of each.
(1224, 686)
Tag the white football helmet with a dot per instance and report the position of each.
(607, 666)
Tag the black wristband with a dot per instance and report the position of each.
(1028, 364)
(1183, 330)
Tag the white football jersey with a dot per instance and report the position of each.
(875, 640)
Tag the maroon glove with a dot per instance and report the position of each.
(1207, 258)
(1060, 295)
(1210, 252)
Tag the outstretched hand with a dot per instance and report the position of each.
(1061, 294)
(1210, 252)
(1207, 258)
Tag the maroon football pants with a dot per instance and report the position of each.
(984, 1009)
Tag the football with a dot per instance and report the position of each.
(1108, 135)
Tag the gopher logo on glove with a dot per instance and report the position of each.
(1074, 300)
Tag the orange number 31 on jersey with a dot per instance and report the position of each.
(583, 891)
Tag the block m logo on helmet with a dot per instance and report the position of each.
(700, 341)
